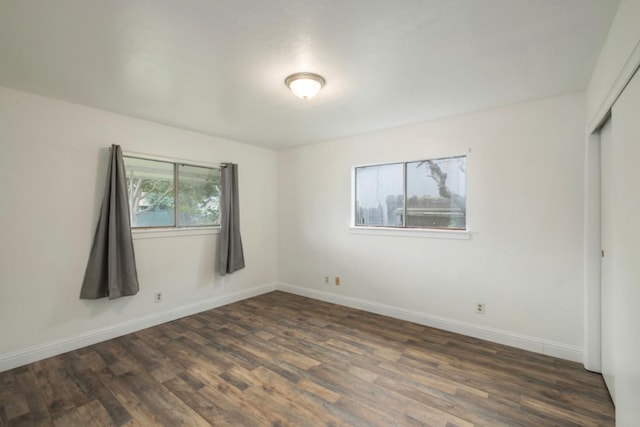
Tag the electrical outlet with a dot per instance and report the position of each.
(158, 296)
(480, 308)
(326, 280)
(337, 281)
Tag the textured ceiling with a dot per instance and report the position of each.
(218, 67)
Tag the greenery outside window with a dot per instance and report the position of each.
(421, 194)
(164, 194)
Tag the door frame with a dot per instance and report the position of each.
(592, 358)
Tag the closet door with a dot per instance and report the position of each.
(621, 264)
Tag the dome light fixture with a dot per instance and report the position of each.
(304, 85)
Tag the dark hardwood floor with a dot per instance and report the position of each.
(280, 359)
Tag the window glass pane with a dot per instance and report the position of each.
(437, 193)
(198, 196)
(379, 200)
(151, 192)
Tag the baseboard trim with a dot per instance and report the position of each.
(54, 348)
(537, 345)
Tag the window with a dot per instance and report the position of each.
(165, 194)
(420, 194)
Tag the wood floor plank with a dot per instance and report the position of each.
(94, 387)
(162, 403)
(140, 413)
(286, 398)
(95, 414)
(205, 407)
(38, 411)
(15, 405)
(284, 360)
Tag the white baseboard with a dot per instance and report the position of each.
(54, 348)
(537, 345)
(33, 354)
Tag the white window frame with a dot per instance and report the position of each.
(172, 231)
(434, 233)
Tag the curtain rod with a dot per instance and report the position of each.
(168, 159)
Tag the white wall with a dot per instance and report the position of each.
(52, 169)
(525, 212)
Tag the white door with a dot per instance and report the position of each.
(620, 151)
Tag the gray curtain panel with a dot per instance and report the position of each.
(111, 270)
(230, 255)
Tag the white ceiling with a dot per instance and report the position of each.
(218, 67)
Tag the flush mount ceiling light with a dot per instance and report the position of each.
(304, 85)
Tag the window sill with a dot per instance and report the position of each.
(159, 233)
(412, 232)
